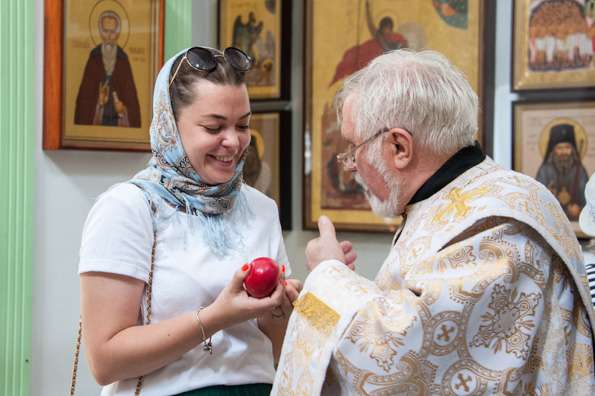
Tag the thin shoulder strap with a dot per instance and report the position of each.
(148, 293)
(75, 360)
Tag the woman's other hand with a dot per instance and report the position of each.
(274, 323)
(293, 287)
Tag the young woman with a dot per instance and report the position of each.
(190, 224)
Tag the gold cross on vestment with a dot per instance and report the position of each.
(445, 332)
(458, 203)
(464, 382)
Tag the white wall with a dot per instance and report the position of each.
(69, 181)
(502, 113)
(67, 184)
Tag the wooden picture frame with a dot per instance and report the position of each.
(268, 162)
(547, 54)
(261, 28)
(554, 142)
(98, 95)
(340, 31)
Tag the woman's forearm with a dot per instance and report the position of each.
(140, 350)
(119, 348)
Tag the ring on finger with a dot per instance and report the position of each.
(278, 315)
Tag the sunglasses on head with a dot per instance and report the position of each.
(204, 59)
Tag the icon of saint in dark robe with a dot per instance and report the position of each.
(107, 94)
(562, 171)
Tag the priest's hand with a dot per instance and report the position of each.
(325, 247)
(350, 254)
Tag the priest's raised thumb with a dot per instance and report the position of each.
(326, 228)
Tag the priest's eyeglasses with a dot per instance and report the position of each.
(347, 159)
(204, 59)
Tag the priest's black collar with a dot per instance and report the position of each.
(465, 159)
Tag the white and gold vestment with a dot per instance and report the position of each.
(484, 292)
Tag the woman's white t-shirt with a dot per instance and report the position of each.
(118, 238)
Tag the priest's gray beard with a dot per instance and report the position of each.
(389, 207)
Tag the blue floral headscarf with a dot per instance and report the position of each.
(170, 176)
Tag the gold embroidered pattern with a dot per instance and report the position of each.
(581, 321)
(509, 323)
(465, 378)
(414, 376)
(381, 342)
(461, 258)
(459, 203)
(317, 313)
(581, 362)
(444, 332)
(386, 281)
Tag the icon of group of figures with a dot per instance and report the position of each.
(107, 94)
(562, 35)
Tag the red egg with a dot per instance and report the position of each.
(263, 277)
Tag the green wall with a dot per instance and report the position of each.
(18, 114)
(178, 22)
(17, 143)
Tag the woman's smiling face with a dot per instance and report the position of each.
(215, 129)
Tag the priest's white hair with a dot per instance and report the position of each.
(421, 92)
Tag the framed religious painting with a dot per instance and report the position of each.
(341, 37)
(100, 62)
(554, 142)
(553, 44)
(268, 159)
(262, 29)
